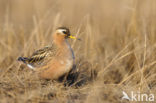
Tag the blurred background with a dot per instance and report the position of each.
(21, 13)
(118, 46)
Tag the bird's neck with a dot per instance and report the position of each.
(59, 41)
(64, 46)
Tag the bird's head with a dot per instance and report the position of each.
(64, 32)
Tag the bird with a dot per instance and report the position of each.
(52, 62)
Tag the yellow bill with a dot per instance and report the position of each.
(72, 37)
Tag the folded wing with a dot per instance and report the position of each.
(40, 57)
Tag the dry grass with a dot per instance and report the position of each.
(117, 51)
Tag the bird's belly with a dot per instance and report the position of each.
(68, 64)
(67, 59)
(57, 68)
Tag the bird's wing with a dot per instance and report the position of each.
(41, 55)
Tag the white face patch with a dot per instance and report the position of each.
(61, 31)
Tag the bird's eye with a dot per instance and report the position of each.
(65, 32)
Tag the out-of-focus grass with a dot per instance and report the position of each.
(117, 51)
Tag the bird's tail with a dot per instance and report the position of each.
(23, 59)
